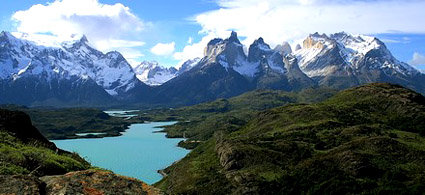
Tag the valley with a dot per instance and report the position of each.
(262, 141)
(356, 141)
(339, 114)
(220, 97)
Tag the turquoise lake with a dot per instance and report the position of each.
(138, 153)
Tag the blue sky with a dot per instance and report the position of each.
(170, 31)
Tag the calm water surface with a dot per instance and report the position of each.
(138, 153)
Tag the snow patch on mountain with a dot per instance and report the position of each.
(187, 65)
(21, 58)
(317, 57)
(153, 74)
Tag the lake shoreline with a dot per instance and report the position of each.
(155, 150)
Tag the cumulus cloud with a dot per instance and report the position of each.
(288, 20)
(163, 49)
(108, 27)
(193, 50)
(417, 60)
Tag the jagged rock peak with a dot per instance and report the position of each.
(8, 37)
(257, 49)
(284, 49)
(317, 35)
(4, 34)
(317, 40)
(234, 37)
(297, 47)
(259, 40)
(261, 44)
(215, 41)
(84, 39)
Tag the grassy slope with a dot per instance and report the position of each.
(363, 140)
(17, 157)
(23, 150)
(199, 122)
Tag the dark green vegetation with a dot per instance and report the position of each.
(198, 123)
(368, 139)
(66, 123)
(23, 150)
(30, 164)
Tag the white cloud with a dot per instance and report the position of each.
(404, 40)
(190, 40)
(163, 49)
(289, 20)
(417, 60)
(193, 50)
(108, 27)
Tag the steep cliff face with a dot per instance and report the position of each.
(19, 125)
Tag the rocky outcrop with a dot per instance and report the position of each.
(21, 184)
(95, 182)
(228, 155)
(90, 182)
(19, 125)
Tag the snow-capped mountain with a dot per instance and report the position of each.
(25, 62)
(187, 65)
(225, 71)
(229, 54)
(342, 60)
(76, 74)
(276, 68)
(151, 73)
(110, 70)
(222, 72)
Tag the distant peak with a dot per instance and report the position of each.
(84, 39)
(260, 40)
(234, 37)
(341, 33)
(234, 34)
(297, 47)
(149, 63)
(215, 41)
(5, 34)
(113, 53)
(77, 43)
(261, 44)
(317, 35)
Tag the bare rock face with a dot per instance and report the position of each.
(88, 182)
(21, 184)
(95, 182)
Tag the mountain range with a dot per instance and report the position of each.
(153, 74)
(76, 74)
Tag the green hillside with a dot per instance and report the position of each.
(367, 139)
(199, 122)
(23, 150)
